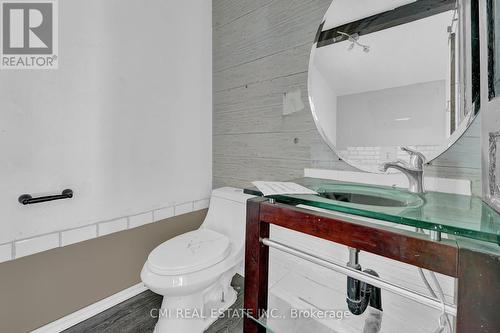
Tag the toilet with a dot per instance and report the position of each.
(193, 271)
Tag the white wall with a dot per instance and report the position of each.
(387, 65)
(126, 120)
(398, 116)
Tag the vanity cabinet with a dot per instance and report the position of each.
(386, 79)
(474, 263)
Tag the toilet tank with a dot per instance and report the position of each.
(227, 213)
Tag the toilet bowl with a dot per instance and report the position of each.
(193, 271)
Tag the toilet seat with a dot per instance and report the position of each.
(189, 252)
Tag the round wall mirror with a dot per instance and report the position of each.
(390, 74)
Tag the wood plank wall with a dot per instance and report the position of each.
(260, 53)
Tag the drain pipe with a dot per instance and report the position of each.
(356, 296)
(361, 294)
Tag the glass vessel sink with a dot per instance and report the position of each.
(460, 215)
(370, 196)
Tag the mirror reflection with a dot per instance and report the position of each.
(397, 72)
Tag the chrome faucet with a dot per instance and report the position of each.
(413, 170)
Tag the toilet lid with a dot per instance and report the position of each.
(189, 252)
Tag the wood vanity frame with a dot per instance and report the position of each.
(478, 291)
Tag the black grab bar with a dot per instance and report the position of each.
(27, 199)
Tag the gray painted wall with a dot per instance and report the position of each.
(261, 53)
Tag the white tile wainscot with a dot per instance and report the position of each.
(78, 235)
(140, 220)
(24, 247)
(163, 213)
(201, 204)
(36, 244)
(5, 252)
(106, 228)
(184, 208)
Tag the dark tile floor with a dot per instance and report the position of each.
(133, 316)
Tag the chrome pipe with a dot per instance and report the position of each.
(435, 235)
(353, 258)
(359, 275)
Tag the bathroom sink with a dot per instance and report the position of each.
(370, 195)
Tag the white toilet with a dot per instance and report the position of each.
(193, 271)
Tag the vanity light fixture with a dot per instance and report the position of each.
(354, 39)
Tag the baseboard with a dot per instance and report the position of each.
(91, 310)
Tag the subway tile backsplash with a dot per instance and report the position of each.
(29, 246)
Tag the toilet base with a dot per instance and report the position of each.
(192, 313)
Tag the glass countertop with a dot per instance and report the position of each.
(461, 215)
